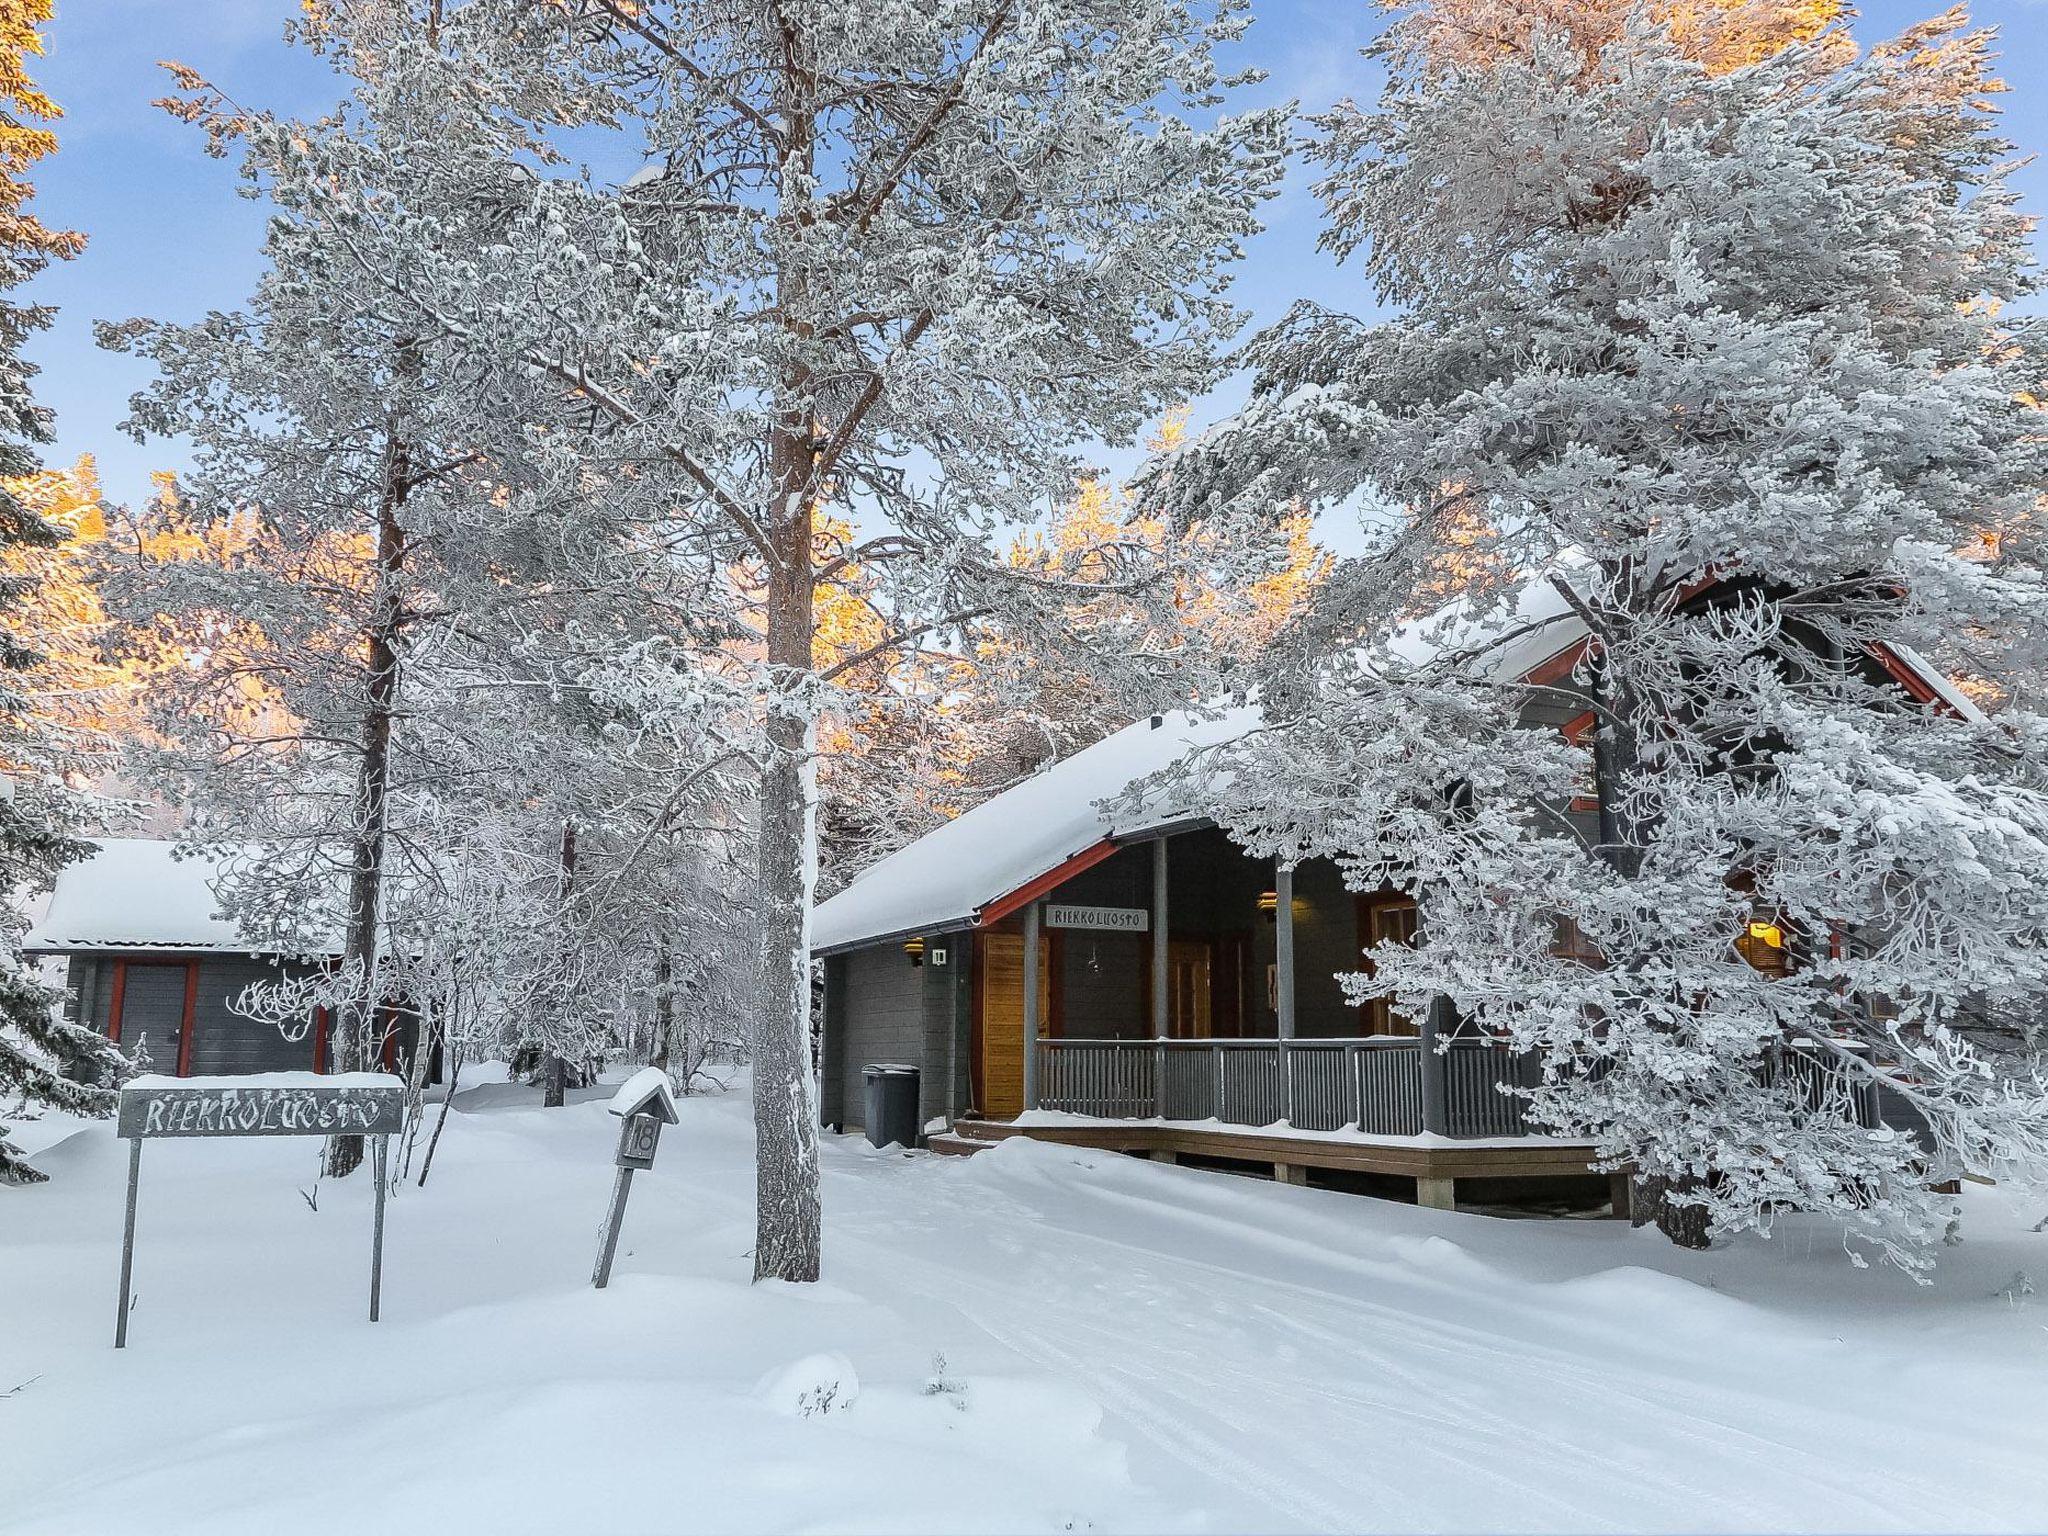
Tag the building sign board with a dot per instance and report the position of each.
(1106, 919)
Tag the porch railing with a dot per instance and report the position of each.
(1372, 1085)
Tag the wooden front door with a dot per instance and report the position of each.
(1387, 919)
(999, 1021)
(1190, 967)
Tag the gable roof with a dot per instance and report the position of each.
(1012, 847)
(951, 875)
(133, 893)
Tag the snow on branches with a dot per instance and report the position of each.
(1709, 370)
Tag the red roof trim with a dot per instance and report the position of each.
(1560, 665)
(1052, 879)
(1909, 678)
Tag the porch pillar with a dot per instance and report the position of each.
(1031, 1006)
(1162, 951)
(1436, 1109)
(1162, 975)
(1283, 948)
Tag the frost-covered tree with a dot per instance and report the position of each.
(291, 573)
(42, 1058)
(1714, 366)
(879, 260)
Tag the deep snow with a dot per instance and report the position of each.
(1126, 1347)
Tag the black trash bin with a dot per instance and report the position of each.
(891, 1103)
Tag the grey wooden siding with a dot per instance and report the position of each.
(881, 1008)
(89, 989)
(153, 1010)
(1102, 983)
(832, 1045)
(224, 1041)
(884, 1019)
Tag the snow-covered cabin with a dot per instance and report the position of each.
(1179, 981)
(150, 959)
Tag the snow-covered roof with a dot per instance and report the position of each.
(946, 877)
(131, 893)
(952, 875)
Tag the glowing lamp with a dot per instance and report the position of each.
(1769, 935)
(914, 947)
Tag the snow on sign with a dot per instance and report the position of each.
(274, 1104)
(1112, 919)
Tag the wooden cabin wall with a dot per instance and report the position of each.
(881, 1008)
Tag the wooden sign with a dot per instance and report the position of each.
(368, 1104)
(1108, 919)
(198, 1108)
(645, 1103)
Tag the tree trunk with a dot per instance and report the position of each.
(787, 1218)
(554, 1069)
(354, 1019)
(661, 1052)
(1650, 1203)
(1617, 756)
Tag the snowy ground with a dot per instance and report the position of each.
(1126, 1347)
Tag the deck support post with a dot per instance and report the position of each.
(1162, 945)
(1283, 948)
(1290, 1173)
(1283, 979)
(1436, 1108)
(1031, 1006)
(1437, 1194)
(1162, 974)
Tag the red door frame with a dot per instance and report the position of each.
(189, 1014)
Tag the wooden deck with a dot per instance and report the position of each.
(1435, 1167)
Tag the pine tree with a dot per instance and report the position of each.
(42, 1058)
(1717, 365)
(887, 255)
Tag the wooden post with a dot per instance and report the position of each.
(381, 1161)
(1162, 973)
(128, 1241)
(1437, 1194)
(1283, 949)
(621, 1187)
(1031, 1006)
(1436, 1109)
(1162, 945)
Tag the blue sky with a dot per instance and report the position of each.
(171, 238)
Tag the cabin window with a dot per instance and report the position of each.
(1765, 944)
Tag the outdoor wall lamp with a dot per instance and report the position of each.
(914, 947)
(1269, 904)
